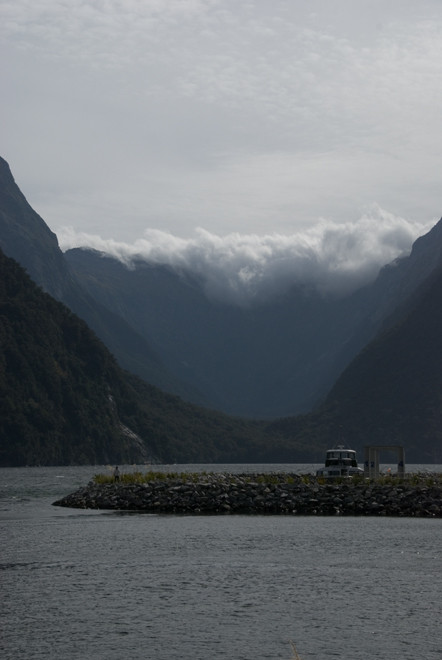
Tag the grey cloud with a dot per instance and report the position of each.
(255, 117)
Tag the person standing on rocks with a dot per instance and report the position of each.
(116, 474)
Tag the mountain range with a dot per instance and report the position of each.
(267, 360)
(303, 357)
(65, 400)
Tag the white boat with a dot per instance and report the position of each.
(340, 462)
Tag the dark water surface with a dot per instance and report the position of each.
(110, 585)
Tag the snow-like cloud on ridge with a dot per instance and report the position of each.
(335, 258)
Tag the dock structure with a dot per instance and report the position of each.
(371, 459)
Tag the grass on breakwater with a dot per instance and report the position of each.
(195, 477)
(137, 477)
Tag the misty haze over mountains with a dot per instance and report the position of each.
(276, 357)
(248, 269)
(254, 326)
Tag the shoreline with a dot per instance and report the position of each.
(276, 494)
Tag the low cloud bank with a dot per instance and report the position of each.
(335, 258)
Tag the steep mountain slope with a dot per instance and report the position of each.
(378, 305)
(56, 382)
(25, 237)
(64, 400)
(391, 393)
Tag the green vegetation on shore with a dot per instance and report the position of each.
(138, 477)
(150, 476)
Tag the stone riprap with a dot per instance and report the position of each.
(256, 494)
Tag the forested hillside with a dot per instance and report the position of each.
(64, 399)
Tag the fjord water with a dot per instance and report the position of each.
(111, 585)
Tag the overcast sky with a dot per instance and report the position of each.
(241, 117)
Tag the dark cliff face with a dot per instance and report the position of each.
(25, 237)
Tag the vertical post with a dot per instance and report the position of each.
(401, 462)
(373, 462)
(367, 462)
(376, 463)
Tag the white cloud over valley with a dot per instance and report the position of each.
(242, 268)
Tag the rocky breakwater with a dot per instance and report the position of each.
(262, 494)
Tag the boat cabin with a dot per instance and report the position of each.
(340, 462)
